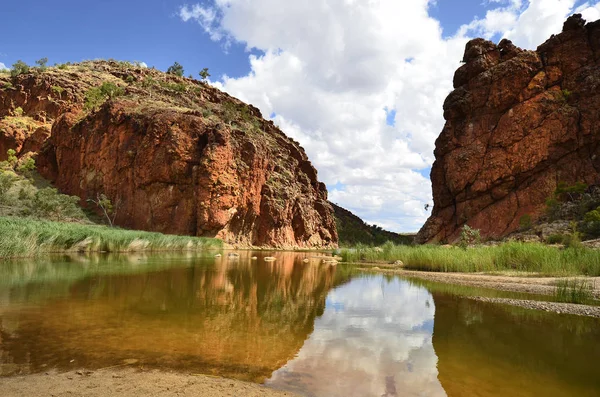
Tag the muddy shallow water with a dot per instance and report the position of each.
(310, 328)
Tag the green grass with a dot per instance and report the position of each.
(24, 237)
(528, 257)
(573, 291)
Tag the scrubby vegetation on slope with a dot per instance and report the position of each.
(35, 218)
(352, 230)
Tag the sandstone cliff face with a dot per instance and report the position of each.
(181, 156)
(518, 123)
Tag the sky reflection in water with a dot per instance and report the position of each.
(374, 339)
(311, 328)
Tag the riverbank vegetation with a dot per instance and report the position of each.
(35, 218)
(29, 237)
(509, 256)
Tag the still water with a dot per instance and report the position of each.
(311, 328)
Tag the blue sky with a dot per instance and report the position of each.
(149, 31)
(360, 86)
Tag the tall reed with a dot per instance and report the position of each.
(529, 257)
(23, 237)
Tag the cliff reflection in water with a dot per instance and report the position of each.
(498, 350)
(239, 318)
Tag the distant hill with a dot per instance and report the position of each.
(352, 230)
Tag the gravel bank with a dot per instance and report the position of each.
(570, 308)
(514, 283)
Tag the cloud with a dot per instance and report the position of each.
(372, 332)
(332, 71)
(2, 66)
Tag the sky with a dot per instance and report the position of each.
(359, 83)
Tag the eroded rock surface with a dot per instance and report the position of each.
(518, 123)
(181, 157)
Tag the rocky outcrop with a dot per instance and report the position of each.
(179, 156)
(518, 123)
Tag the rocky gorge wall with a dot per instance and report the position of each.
(517, 123)
(180, 156)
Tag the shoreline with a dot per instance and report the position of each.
(528, 283)
(130, 382)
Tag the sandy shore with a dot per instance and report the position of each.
(129, 382)
(512, 282)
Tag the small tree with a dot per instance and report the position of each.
(18, 68)
(204, 74)
(469, 236)
(109, 209)
(42, 63)
(12, 157)
(176, 69)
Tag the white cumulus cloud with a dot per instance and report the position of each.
(332, 72)
(2, 66)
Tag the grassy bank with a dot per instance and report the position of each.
(24, 237)
(529, 257)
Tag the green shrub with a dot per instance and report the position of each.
(525, 222)
(96, 96)
(18, 112)
(469, 236)
(555, 239)
(48, 203)
(26, 166)
(149, 82)
(62, 66)
(12, 158)
(19, 68)
(591, 223)
(176, 69)
(57, 90)
(570, 192)
(177, 87)
(7, 180)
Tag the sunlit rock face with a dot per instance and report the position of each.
(180, 156)
(518, 123)
(374, 339)
(230, 317)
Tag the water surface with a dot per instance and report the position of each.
(311, 328)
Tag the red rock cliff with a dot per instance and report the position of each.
(518, 122)
(183, 157)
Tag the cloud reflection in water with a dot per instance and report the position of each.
(374, 339)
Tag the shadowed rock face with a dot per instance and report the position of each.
(181, 156)
(518, 123)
